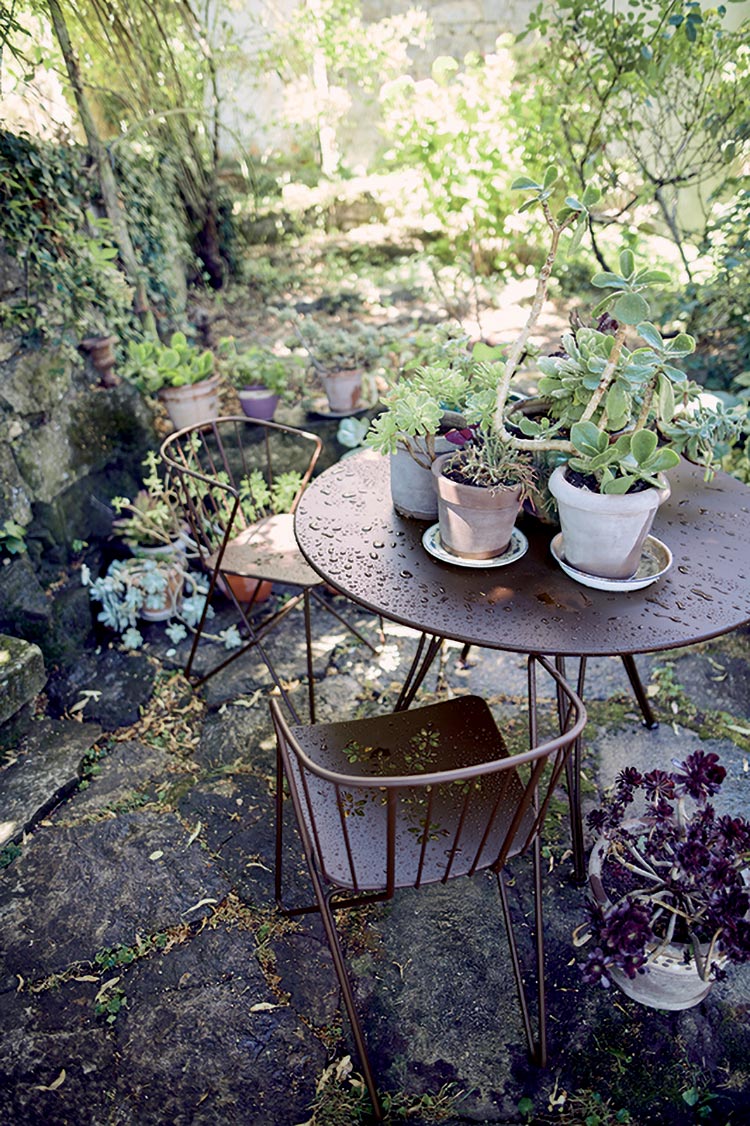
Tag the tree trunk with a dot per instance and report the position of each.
(107, 182)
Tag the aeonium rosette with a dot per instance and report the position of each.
(674, 872)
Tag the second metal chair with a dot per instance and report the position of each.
(415, 798)
(234, 473)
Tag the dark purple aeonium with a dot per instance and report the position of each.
(671, 874)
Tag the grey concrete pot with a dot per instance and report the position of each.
(603, 534)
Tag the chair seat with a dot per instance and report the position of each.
(268, 550)
(462, 836)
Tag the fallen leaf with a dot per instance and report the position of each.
(54, 1085)
(156, 855)
(263, 1007)
(200, 903)
(195, 834)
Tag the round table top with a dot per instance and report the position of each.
(351, 535)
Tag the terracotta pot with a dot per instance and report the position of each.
(602, 533)
(170, 602)
(343, 390)
(669, 982)
(244, 589)
(192, 403)
(102, 352)
(258, 402)
(412, 485)
(475, 523)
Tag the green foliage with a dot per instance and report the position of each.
(491, 462)
(618, 466)
(70, 277)
(453, 133)
(8, 854)
(152, 365)
(151, 518)
(647, 96)
(12, 538)
(256, 366)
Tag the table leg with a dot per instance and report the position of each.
(423, 658)
(649, 719)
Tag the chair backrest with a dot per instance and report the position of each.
(235, 471)
(421, 796)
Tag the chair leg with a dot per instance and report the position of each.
(308, 651)
(573, 776)
(339, 617)
(538, 1048)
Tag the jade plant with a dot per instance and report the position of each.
(151, 365)
(598, 379)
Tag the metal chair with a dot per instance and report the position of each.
(420, 797)
(233, 473)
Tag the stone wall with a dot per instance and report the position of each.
(67, 445)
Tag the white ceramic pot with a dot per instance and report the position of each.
(412, 485)
(343, 390)
(602, 533)
(193, 403)
(475, 523)
(669, 981)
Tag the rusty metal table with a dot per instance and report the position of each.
(349, 532)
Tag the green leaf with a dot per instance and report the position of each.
(591, 195)
(665, 399)
(573, 203)
(550, 176)
(651, 335)
(627, 262)
(525, 183)
(578, 232)
(528, 203)
(588, 438)
(608, 281)
(663, 459)
(652, 277)
(630, 309)
(642, 445)
(617, 407)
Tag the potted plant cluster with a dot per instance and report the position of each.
(262, 377)
(180, 374)
(669, 886)
(423, 418)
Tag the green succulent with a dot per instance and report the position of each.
(152, 365)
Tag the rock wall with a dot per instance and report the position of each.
(67, 445)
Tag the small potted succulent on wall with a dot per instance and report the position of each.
(669, 886)
(180, 374)
(263, 378)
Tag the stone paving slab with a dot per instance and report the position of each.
(205, 1016)
(45, 768)
(138, 875)
(115, 685)
(129, 772)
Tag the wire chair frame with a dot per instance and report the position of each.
(210, 461)
(496, 813)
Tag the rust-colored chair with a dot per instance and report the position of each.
(415, 798)
(212, 464)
